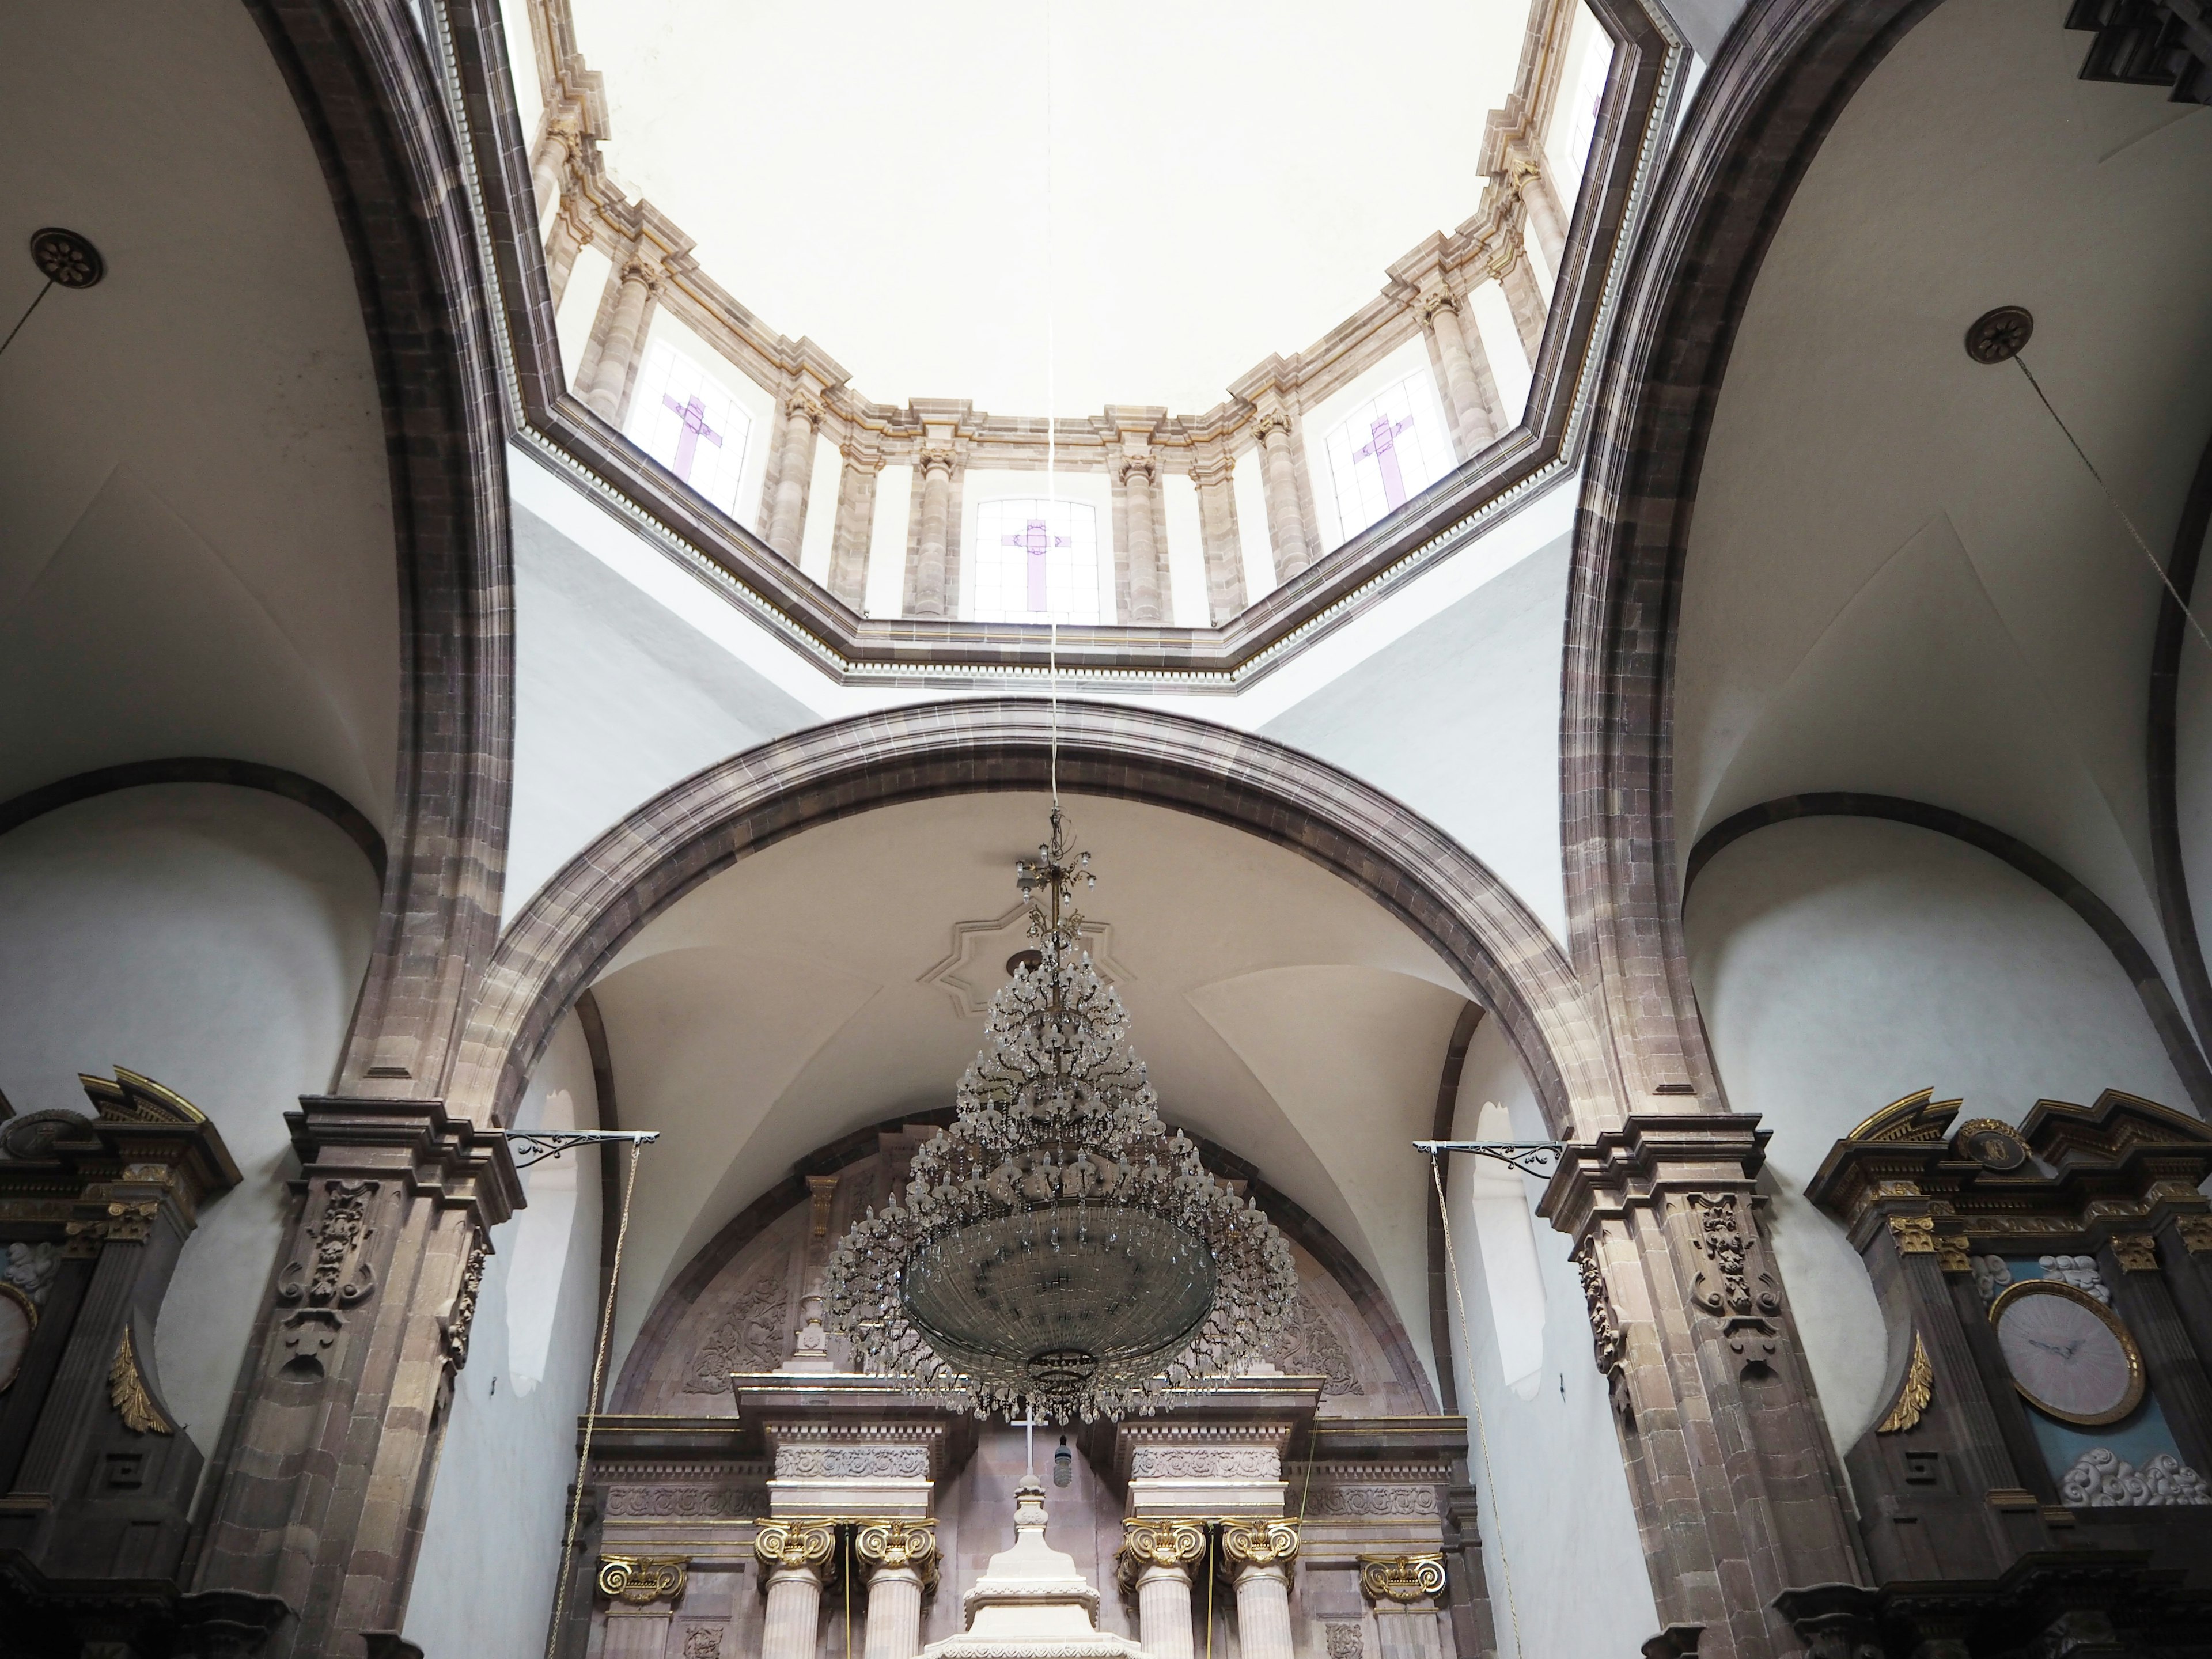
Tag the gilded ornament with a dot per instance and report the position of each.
(895, 1544)
(2196, 1232)
(1259, 1543)
(641, 1580)
(1991, 1143)
(2136, 1253)
(1917, 1118)
(1158, 1543)
(791, 1546)
(1914, 1234)
(128, 1393)
(1952, 1253)
(1912, 1399)
(1401, 1578)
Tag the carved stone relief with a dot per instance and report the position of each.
(2101, 1480)
(750, 1336)
(852, 1462)
(1607, 1344)
(1309, 1347)
(1733, 1285)
(1378, 1501)
(332, 1266)
(700, 1503)
(1204, 1463)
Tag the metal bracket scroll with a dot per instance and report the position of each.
(532, 1147)
(1540, 1159)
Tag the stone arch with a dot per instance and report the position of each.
(576, 923)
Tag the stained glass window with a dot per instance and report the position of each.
(1036, 561)
(1383, 453)
(691, 423)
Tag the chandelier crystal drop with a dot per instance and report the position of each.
(1058, 1250)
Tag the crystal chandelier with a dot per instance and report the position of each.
(1057, 1248)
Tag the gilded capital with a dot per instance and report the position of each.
(1259, 1543)
(898, 1544)
(2136, 1253)
(1403, 1579)
(1160, 1543)
(793, 1546)
(641, 1580)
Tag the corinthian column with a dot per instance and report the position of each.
(1142, 546)
(794, 471)
(1155, 1562)
(796, 1558)
(936, 510)
(1287, 525)
(1468, 385)
(549, 164)
(605, 375)
(900, 1558)
(566, 239)
(1259, 1554)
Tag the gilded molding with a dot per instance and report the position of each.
(1255, 1544)
(2136, 1253)
(1914, 1234)
(641, 1580)
(796, 1546)
(1403, 1579)
(1165, 1543)
(2196, 1232)
(1953, 1253)
(123, 1223)
(1912, 1399)
(128, 1393)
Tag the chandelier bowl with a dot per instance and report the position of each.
(1061, 1295)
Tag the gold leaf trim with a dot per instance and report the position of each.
(127, 1390)
(1912, 1398)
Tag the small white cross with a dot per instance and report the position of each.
(1028, 1426)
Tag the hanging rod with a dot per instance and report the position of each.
(1536, 1158)
(532, 1147)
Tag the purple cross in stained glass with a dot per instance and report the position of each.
(1035, 541)
(694, 414)
(1383, 444)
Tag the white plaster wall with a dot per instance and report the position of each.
(886, 584)
(1842, 964)
(212, 938)
(615, 698)
(484, 1579)
(1186, 549)
(1546, 1463)
(580, 308)
(1248, 484)
(1460, 719)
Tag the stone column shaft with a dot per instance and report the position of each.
(794, 472)
(1145, 602)
(1263, 1613)
(1547, 219)
(1518, 280)
(1286, 524)
(929, 595)
(794, 1613)
(893, 1627)
(564, 243)
(1164, 1613)
(1225, 551)
(609, 367)
(1468, 385)
(852, 535)
(545, 170)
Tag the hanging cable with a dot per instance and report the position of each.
(25, 317)
(2122, 512)
(1481, 1433)
(592, 1408)
(1051, 411)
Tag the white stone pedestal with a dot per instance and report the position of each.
(1031, 1603)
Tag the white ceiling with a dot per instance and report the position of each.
(1901, 580)
(196, 543)
(1227, 181)
(787, 1003)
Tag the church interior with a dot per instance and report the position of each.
(1404, 856)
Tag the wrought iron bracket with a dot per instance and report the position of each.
(1536, 1158)
(532, 1147)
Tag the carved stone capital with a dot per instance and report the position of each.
(1435, 300)
(796, 1546)
(937, 461)
(634, 270)
(1401, 1579)
(1134, 467)
(1272, 421)
(1168, 1542)
(641, 1580)
(898, 1543)
(1252, 1544)
(804, 406)
(2136, 1253)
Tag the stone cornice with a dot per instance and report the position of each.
(414, 1140)
(1648, 1157)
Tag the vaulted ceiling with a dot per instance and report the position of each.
(196, 540)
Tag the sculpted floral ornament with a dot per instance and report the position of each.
(330, 1269)
(463, 1317)
(1912, 1398)
(1733, 1285)
(128, 1393)
(1607, 1339)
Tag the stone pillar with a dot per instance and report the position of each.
(1258, 1554)
(1213, 470)
(1286, 524)
(603, 381)
(1401, 1592)
(1470, 390)
(794, 471)
(853, 533)
(797, 1559)
(929, 596)
(899, 1558)
(322, 1501)
(1547, 219)
(549, 165)
(570, 234)
(1509, 265)
(1145, 603)
(1156, 1560)
(1737, 1491)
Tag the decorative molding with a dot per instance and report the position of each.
(1166, 1542)
(751, 1335)
(127, 1391)
(852, 1462)
(1608, 1344)
(1378, 1502)
(2101, 1480)
(332, 1266)
(899, 1545)
(1204, 1463)
(641, 1580)
(460, 1321)
(686, 1503)
(1914, 1234)
(2196, 1232)
(1401, 1579)
(1912, 1399)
